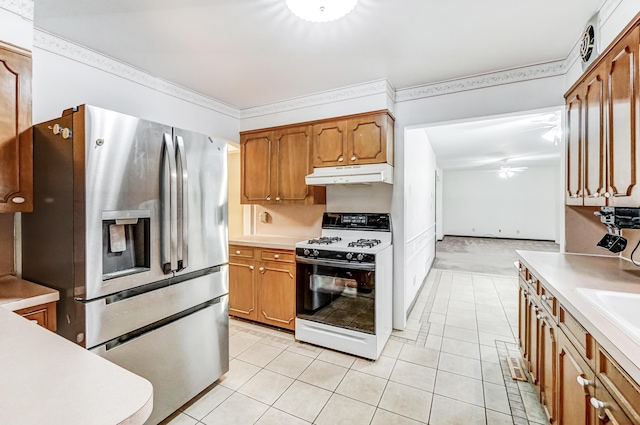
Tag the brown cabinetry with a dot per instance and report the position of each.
(362, 139)
(577, 381)
(43, 315)
(603, 139)
(16, 148)
(262, 285)
(274, 165)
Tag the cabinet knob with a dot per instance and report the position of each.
(583, 382)
(250, 267)
(353, 158)
(597, 403)
(340, 159)
(525, 292)
(268, 198)
(237, 252)
(277, 198)
(261, 269)
(607, 195)
(530, 281)
(18, 200)
(546, 297)
(276, 256)
(539, 316)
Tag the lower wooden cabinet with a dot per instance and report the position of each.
(262, 285)
(577, 381)
(43, 315)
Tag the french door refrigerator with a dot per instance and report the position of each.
(130, 225)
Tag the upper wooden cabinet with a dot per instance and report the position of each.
(274, 164)
(16, 148)
(361, 139)
(603, 116)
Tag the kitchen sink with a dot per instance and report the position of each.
(620, 307)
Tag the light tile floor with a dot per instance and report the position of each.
(446, 368)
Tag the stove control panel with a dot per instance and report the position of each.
(326, 254)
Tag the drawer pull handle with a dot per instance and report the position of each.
(34, 321)
(261, 269)
(238, 252)
(584, 382)
(276, 256)
(546, 297)
(530, 281)
(250, 267)
(539, 317)
(340, 159)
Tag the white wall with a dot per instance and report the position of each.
(16, 28)
(479, 203)
(61, 82)
(419, 217)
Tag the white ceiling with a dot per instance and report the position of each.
(248, 53)
(489, 143)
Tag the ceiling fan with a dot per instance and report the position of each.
(507, 171)
(553, 123)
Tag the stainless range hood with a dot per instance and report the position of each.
(351, 174)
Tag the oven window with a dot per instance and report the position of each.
(336, 296)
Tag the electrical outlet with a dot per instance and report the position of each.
(264, 217)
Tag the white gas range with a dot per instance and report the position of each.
(344, 284)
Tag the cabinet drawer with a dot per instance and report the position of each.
(582, 339)
(620, 385)
(549, 302)
(241, 251)
(532, 281)
(275, 255)
(611, 413)
(44, 315)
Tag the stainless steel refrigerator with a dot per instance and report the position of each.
(130, 225)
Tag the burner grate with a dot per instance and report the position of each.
(325, 240)
(364, 243)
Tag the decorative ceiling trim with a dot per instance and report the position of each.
(23, 8)
(54, 44)
(515, 75)
(323, 98)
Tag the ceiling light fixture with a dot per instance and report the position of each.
(554, 135)
(321, 10)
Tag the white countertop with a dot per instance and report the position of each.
(16, 294)
(269, 241)
(45, 379)
(562, 274)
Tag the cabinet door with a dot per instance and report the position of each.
(547, 365)
(16, 148)
(574, 407)
(594, 138)
(277, 294)
(367, 139)
(533, 341)
(292, 162)
(242, 289)
(43, 315)
(256, 151)
(574, 147)
(329, 144)
(622, 122)
(523, 321)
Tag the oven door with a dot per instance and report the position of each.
(336, 293)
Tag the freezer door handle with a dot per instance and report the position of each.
(183, 205)
(168, 206)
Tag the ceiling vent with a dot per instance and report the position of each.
(590, 42)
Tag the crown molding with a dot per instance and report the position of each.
(23, 8)
(322, 98)
(54, 44)
(515, 75)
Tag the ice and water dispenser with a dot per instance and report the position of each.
(125, 243)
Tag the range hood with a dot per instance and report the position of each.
(351, 174)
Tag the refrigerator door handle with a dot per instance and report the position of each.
(168, 206)
(183, 206)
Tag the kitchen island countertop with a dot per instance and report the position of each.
(563, 274)
(268, 241)
(47, 379)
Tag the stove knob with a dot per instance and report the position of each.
(316, 253)
(349, 256)
(306, 252)
(360, 257)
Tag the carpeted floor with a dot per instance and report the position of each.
(484, 255)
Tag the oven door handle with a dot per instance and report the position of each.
(338, 264)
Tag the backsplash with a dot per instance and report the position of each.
(289, 220)
(6, 244)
